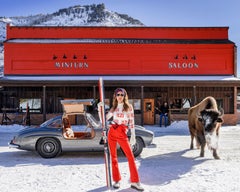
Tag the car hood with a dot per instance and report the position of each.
(32, 130)
(139, 127)
(142, 130)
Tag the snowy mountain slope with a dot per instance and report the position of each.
(87, 15)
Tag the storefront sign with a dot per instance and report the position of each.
(76, 65)
(173, 65)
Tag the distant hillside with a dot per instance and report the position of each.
(87, 15)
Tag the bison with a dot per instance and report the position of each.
(204, 121)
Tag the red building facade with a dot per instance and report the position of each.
(118, 51)
(154, 63)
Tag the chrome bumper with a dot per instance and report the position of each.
(152, 145)
(12, 145)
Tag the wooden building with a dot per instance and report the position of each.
(181, 65)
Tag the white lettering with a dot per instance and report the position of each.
(76, 65)
(173, 65)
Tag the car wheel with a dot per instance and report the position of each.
(137, 148)
(48, 148)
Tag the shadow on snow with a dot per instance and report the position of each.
(164, 168)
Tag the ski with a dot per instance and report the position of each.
(104, 133)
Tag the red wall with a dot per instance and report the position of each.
(119, 59)
(47, 58)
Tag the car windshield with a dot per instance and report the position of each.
(56, 123)
(76, 120)
(92, 120)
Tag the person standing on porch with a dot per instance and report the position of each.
(164, 110)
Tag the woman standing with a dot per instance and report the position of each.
(123, 119)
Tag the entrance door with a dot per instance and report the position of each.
(148, 110)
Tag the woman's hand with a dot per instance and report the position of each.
(100, 105)
(133, 137)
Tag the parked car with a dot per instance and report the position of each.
(75, 130)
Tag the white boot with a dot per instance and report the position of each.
(116, 185)
(137, 186)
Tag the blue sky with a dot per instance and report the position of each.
(150, 12)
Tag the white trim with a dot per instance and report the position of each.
(121, 78)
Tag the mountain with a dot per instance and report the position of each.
(87, 15)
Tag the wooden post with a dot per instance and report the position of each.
(44, 103)
(28, 121)
(94, 92)
(194, 95)
(142, 104)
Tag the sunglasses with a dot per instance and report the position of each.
(120, 95)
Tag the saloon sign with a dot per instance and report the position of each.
(85, 65)
(182, 65)
(75, 65)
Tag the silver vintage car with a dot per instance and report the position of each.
(75, 130)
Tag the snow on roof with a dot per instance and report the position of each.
(121, 78)
(119, 40)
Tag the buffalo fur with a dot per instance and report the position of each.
(204, 121)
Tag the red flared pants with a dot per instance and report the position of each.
(117, 134)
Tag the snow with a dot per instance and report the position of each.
(122, 78)
(89, 15)
(170, 166)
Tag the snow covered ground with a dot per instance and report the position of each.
(169, 167)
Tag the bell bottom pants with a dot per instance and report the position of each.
(118, 135)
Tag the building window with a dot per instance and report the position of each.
(136, 103)
(238, 103)
(180, 105)
(33, 103)
(219, 103)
